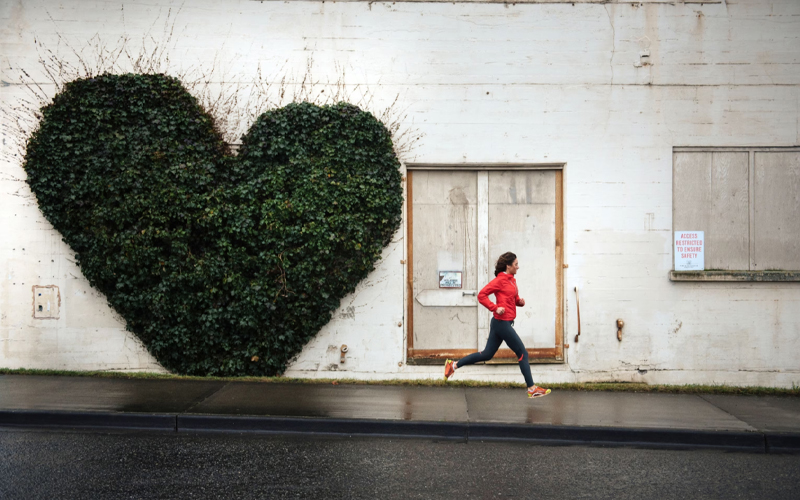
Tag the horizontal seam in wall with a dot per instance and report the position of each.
(496, 84)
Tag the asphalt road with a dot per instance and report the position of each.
(63, 464)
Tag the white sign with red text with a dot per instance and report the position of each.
(689, 251)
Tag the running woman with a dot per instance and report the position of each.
(504, 288)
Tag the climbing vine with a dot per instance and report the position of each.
(220, 264)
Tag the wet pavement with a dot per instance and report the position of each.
(338, 401)
(610, 409)
(461, 408)
(24, 392)
(766, 413)
(113, 465)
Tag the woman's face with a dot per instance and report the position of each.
(513, 268)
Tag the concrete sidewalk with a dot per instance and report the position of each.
(751, 423)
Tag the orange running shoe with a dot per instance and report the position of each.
(537, 392)
(448, 369)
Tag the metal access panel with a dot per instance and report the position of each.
(460, 221)
(46, 302)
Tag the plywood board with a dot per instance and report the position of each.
(691, 193)
(444, 209)
(728, 237)
(777, 210)
(522, 217)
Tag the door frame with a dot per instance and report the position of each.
(503, 356)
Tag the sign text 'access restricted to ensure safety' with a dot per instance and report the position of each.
(689, 251)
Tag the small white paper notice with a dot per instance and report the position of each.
(689, 251)
(449, 279)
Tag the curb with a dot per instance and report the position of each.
(301, 425)
(753, 442)
(137, 421)
(782, 442)
(622, 436)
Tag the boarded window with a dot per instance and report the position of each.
(746, 200)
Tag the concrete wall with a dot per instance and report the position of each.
(485, 82)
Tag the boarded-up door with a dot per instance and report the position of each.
(460, 222)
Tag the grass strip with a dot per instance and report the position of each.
(578, 386)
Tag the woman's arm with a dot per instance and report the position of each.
(483, 295)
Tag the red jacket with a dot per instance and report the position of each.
(504, 288)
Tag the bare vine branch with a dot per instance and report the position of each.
(233, 100)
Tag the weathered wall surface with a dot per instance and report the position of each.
(484, 82)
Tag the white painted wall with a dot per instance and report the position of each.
(552, 82)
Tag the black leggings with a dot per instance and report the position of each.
(502, 331)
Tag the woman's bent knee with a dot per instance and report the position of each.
(486, 356)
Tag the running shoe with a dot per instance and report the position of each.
(448, 369)
(537, 392)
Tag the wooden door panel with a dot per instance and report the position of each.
(522, 220)
(445, 222)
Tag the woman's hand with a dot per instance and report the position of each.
(521, 302)
(500, 311)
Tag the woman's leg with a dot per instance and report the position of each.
(492, 344)
(513, 341)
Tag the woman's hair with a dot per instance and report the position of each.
(504, 261)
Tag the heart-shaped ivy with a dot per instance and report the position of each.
(220, 264)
